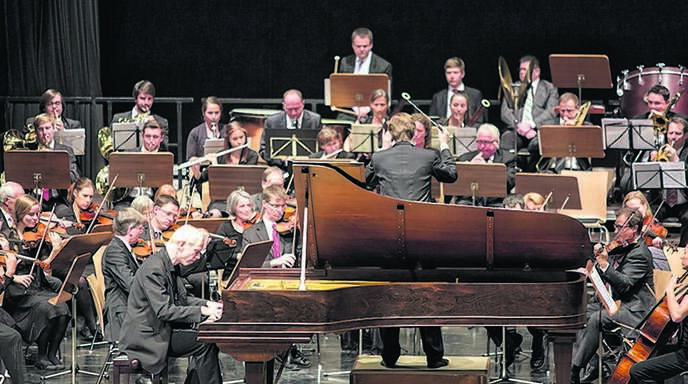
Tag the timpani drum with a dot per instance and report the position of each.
(252, 120)
(632, 86)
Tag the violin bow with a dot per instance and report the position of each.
(188, 208)
(112, 185)
(40, 245)
(549, 196)
(652, 219)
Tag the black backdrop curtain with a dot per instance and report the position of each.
(51, 44)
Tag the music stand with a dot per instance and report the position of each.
(353, 89)
(83, 246)
(643, 134)
(224, 179)
(42, 169)
(571, 141)
(564, 189)
(138, 169)
(659, 175)
(73, 138)
(214, 146)
(484, 180)
(580, 71)
(126, 136)
(462, 140)
(291, 142)
(364, 138)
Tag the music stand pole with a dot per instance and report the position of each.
(504, 375)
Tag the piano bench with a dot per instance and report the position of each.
(412, 369)
(123, 368)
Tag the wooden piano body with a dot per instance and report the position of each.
(375, 261)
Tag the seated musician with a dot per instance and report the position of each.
(489, 151)
(235, 136)
(654, 234)
(626, 265)
(160, 315)
(51, 104)
(74, 217)
(538, 109)
(163, 216)
(144, 96)
(569, 108)
(45, 134)
(208, 129)
(283, 253)
(534, 202)
(422, 137)
(271, 176)
(675, 200)
(119, 267)
(458, 108)
(294, 116)
(26, 297)
(404, 172)
(330, 143)
(657, 100)
(143, 204)
(12, 352)
(454, 72)
(9, 192)
(514, 201)
(379, 108)
(666, 365)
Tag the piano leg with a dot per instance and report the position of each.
(259, 372)
(563, 352)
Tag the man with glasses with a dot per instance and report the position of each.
(625, 265)
(162, 217)
(487, 141)
(51, 103)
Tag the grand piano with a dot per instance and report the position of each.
(375, 261)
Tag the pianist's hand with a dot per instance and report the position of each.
(212, 310)
(285, 261)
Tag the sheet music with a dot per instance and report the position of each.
(602, 292)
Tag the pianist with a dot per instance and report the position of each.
(405, 172)
(626, 265)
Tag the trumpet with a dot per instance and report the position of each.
(666, 153)
(472, 119)
(336, 64)
(407, 97)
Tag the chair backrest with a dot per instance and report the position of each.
(97, 283)
(593, 194)
(661, 281)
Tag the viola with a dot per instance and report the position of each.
(656, 329)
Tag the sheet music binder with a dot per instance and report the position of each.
(73, 138)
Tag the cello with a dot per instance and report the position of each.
(655, 330)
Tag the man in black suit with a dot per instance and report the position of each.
(364, 60)
(537, 109)
(487, 140)
(160, 315)
(657, 100)
(628, 271)
(9, 192)
(404, 171)
(51, 103)
(119, 267)
(454, 71)
(294, 116)
(144, 96)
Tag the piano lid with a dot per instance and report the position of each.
(349, 226)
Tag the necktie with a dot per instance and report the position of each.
(528, 108)
(672, 196)
(46, 194)
(276, 251)
(455, 90)
(359, 65)
(294, 124)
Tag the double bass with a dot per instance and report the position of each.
(656, 329)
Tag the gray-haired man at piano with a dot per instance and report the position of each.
(626, 266)
(405, 172)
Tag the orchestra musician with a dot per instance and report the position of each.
(144, 96)
(538, 109)
(404, 171)
(514, 201)
(160, 315)
(330, 143)
(26, 297)
(534, 202)
(294, 116)
(45, 134)
(208, 129)
(364, 60)
(662, 367)
(454, 72)
(379, 108)
(9, 192)
(458, 107)
(51, 103)
(675, 199)
(653, 232)
(271, 176)
(163, 216)
(11, 354)
(119, 267)
(241, 213)
(626, 265)
(421, 136)
(657, 100)
(143, 204)
(489, 151)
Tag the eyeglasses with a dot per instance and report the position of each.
(484, 142)
(619, 227)
(277, 206)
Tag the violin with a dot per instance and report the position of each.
(144, 248)
(288, 221)
(166, 235)
(94, 212)
(34, 236)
